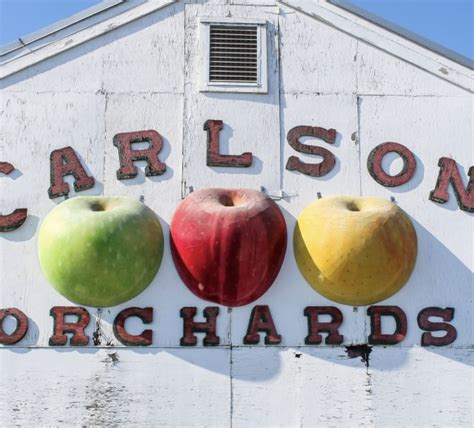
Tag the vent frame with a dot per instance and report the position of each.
(260, 84)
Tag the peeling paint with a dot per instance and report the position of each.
(362, 351)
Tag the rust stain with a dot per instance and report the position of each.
(315, 327)
(14, 220)
(65, 162)
(214, 158)
(449, 174)
(427, 339)
(127, 155)
(61, 327)
(374, 164)
(190, 326)
(261, 321)
(313, 170)
(20, 329)
(376, 336)
(143, 339)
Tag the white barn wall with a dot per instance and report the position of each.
(439, 128)
(144, 75)
(381, 74)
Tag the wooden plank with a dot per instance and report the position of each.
(317, 60)
(327, 111)
(419, 387)
(299, 387)
(430, 128)
(380, 38)
(167, 294)
(37, 125)
(255, 129)
(142, 49)
(139, 387)
(379, 73)
(81, 37)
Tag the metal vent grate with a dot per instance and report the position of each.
(233, 54)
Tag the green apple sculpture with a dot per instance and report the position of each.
(100, 251)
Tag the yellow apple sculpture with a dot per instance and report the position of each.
(355, 250)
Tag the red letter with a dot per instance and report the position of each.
(61, 326)
(21, 326)
(15, 219)
(144, 339)
(427, 339)
(374, 165)
(377, 337)
(213, 128)
(449, 173)
(127, 155)
(209, 327)
(65, 162)
(261, 320)
(313, 170)
(314, 326)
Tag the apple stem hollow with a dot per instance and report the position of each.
(351, 206)
(96, 206)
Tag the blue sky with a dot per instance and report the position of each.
(446, 22)
(449, 23)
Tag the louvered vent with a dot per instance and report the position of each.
(233, 55)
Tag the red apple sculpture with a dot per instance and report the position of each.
(228, 245)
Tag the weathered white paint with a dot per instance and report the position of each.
(422, 387)
(99, 387)
(381, 74)
(317, 59)
(431, 127)
(83, 36)
(386, 41)
(254, 132)
(144, 75)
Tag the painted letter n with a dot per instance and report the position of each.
(449, 173)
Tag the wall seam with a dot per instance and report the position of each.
(358, 142)
(184, 105)
(280, 110)
(231, 372)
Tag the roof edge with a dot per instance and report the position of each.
(385, 40)
(403, 32)
(43, 32)
(137, 10)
